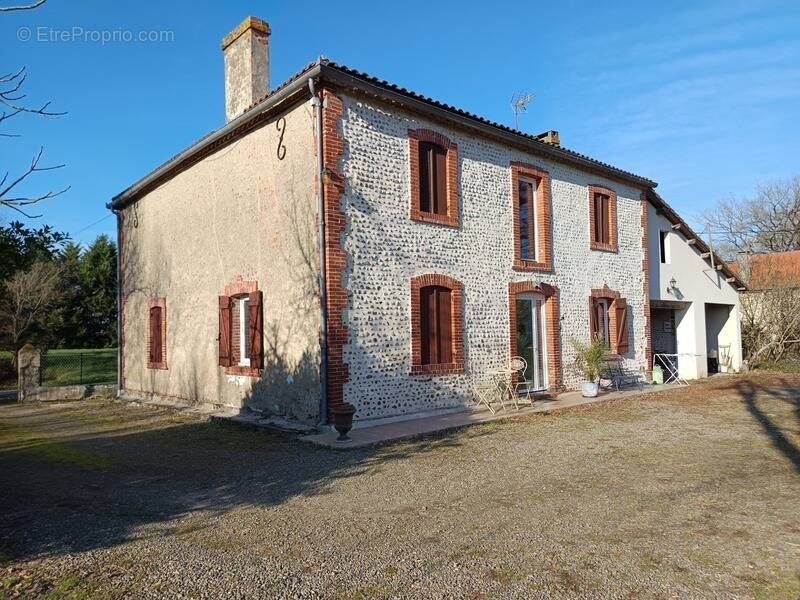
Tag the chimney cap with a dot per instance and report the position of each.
(249, 23)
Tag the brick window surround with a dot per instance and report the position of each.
(544, 233)
(457, 325)
(552, 323)
(162, 304)
(612, 219)
(415, 136)
(235, 290)
(615, 301)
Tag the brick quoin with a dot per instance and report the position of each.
(415, 136)
(552, 323)
(457, 325)
(544, 225)
(612, 217)
(648, 343)
(335, 255)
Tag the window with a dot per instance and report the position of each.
(156, 334)
(599, 321)
(531, 209)
(608, 316)
(432, 179)
(241, 332)
(436, 324)
(663, 249)
(436, 330)
(244, 342)
(528, 242)
(601, 222)
(433, 167)
(602, 219)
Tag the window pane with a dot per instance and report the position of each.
(524, 221)
(425, 177)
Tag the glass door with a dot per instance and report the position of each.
(531, 339)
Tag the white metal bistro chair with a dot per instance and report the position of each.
(485, 392)
(517, 385)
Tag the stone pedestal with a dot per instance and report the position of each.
(29, 362)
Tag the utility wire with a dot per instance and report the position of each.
(92, 224)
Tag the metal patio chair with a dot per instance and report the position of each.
(517, 385)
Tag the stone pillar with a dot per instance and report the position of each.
(29, 362)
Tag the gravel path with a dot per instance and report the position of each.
(683, 493)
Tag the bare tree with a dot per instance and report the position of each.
(769, 222)
(12, 103)
(27, 299)
(770, 312)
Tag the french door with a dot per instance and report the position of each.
(531, 339)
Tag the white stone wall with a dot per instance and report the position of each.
(386, 248)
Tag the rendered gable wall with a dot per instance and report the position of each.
(238, 213)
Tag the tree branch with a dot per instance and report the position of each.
(36, 4)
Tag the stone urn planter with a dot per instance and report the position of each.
(342, 417)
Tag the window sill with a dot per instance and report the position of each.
(159, 365)
(443, 369)
(603, 247)
(245, 371)
(424, 217)
(521, 264)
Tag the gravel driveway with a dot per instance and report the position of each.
(683, 493)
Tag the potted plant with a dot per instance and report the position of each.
(589, 360)
(342, 416)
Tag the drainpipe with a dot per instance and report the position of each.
(119, 300)
(323, 299)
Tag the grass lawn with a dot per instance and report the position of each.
(67, 367)
(71, 367)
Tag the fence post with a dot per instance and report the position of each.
(29, 362)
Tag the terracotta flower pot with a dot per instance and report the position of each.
(342, 417)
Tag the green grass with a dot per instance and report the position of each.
(72, 367)
(781, 366)
(69, 367)
(26, 442)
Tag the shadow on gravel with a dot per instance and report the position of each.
(67, 491)
(781, 390)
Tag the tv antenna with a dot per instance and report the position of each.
(519, 101)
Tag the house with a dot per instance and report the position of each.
(341, 238)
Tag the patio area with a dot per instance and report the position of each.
(388, 430)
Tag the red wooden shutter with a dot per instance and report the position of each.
(604, 200)
(256, 330)
(445, 322)
(621, 315)
(155, 334)
(440, 203)
(224, 331)
(592, 317)
(427, 313)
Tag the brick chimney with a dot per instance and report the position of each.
(246, 52)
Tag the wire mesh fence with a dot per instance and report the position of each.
(74, 367)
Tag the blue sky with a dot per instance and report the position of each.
(704, 98)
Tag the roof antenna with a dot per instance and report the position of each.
(518, 103)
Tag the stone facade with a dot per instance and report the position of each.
(385, 249)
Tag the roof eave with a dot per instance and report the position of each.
(674, 218)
